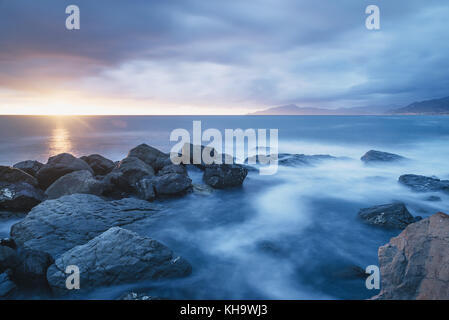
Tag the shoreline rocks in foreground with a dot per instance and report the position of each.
(117, 256)
(415, 264)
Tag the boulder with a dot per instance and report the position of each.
(415, 264)
(221, 176)
(137, 296)
(7, 286)
(145, 189)
(172, 184)
(394, 216)
(75, 182)
(31, 269)
(115, 257)
(99, 164)
(133, 169)
(193, 151)
(10, 175)
(419, 183)
(56, 226)
(19, 196)
(59, 166)
(379, 156)
(29, 166)
(151, 156)
(8, 258)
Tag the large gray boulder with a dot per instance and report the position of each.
(19, 197)
(115, 257)
(75, 182)
(419, 183)
(31, 268)
(29, 166)
(151, 156)
(394, 216)
(415, 264)
(99, 164)
(221, 176)
(59, 166)
(56, 226)
(374, 156)
(172, 184)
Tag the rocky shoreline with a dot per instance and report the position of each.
(77, 210)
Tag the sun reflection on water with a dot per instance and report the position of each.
(60, 141)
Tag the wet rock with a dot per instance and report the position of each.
(433, 199)
(100, 165)
(8, 258)
(56, 226)
(31, 269)
(8, 243)
(59, 166)
(195, 154)
(137, 296)
(75, 182)
(221, 176)
(29, 166)
(415, 264)
(172, 168)
(394, 216)
(19, 197)
(151, 156)
(115, 257)
(10, 175)
(133, 169)
(290, 160)
(145, 189)
(172, 184)
(7, 286)
(419, 183)
(373, 156)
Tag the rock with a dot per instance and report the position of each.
(31, 269)
(29, 166)
(172, 168)
(194, 151)
(221, 176)
(10, 175)
(115, 257)
(151, 156)
(415, 264)
(7, 286)
(433, 199)
(59, 166)
(8, 258)
(19, 196)
(145, 189)
(8, 243)
(424, 184)
(56, 226)
(99, 164)
(379, 156)
(394, 216)
(133, 169)
(137, 296)
(172, 184)
(75, 182)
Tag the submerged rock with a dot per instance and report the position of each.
(137, 296)
(395, 216)
(99, 164)
(75, 182)
(415, 264)
(58, 166)
(424, 184)
(221, 176)
(290, 160)
(56, 226)
(8, 258)
(117, 256)
(29, 166)
(373, 156)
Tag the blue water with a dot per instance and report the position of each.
(278, 237)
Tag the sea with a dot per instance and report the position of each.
(291, 235)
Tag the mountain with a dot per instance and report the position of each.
(293, 109)
(435, 106)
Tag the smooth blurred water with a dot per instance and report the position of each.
(278, 237)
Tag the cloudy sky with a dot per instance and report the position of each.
(219, 57)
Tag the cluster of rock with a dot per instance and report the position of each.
(391, 216)
(79, 209)
(146, 173)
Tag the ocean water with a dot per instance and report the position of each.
(285, 236)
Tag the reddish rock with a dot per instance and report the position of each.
(415, 264)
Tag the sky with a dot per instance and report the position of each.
(219, 57)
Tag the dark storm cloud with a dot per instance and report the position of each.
(260, 52)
